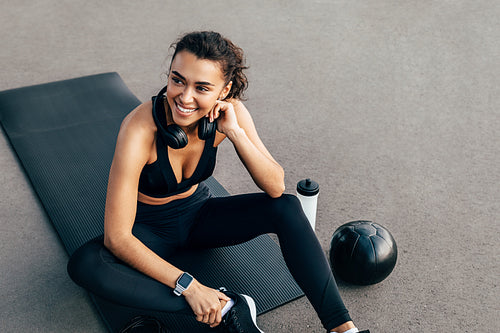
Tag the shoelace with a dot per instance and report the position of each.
(232, 324)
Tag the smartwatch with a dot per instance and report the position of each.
(183, 282)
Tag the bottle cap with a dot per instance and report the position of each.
(307, 187)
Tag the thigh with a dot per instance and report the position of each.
(96, 269)
(231, 220)
(161, 241)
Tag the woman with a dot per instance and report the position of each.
(156, 204)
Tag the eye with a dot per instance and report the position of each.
(176, 80)
(202, 88)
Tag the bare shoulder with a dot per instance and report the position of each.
(139, 123)
(140, 117)
(137, 133)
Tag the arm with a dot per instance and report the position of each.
(132, 152)
(237, 124)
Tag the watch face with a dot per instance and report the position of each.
(185, 280)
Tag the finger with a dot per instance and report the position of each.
(223, 296)
(214, 114)
(217, 111)
(217, 319)
(212, 318)
(203, 318)
(211, 114)
(215, 324)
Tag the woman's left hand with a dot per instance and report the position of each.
(226, 117)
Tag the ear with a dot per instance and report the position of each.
(225, 91)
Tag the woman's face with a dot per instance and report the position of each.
(193, 87)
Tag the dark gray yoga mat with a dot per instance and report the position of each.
(64, 134)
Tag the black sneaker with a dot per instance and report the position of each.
(241, 318)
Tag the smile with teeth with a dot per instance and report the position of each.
(184, 110)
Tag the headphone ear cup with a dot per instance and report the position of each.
(176, 138)
(173, 135)
(206, 129)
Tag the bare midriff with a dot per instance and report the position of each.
(161, 201)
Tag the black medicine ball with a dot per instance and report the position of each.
(362, 252)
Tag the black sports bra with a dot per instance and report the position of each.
(158, 179)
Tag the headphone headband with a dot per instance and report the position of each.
(159, 115)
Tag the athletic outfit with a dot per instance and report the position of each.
(204, 221)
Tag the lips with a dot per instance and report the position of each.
(184, 109)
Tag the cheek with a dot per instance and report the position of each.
(172, 92)
(170, 100)
(206, 102)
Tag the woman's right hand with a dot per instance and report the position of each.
(205, 303)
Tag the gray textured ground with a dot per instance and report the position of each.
(392, 106)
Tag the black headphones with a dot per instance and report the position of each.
(173, 135)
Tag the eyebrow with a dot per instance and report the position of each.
(203, 83)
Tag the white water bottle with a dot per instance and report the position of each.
(307, 192)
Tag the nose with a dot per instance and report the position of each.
(187, 96)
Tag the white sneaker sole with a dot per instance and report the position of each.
(253, 310)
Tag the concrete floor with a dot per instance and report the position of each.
(392, 106)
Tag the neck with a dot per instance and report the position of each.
(189, 129)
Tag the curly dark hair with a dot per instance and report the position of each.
(211, 45)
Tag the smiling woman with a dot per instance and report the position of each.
(157, 203)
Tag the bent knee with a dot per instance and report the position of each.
(286, 203)
(84, 262)
(287, 210)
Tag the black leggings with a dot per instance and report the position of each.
(201, 221)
